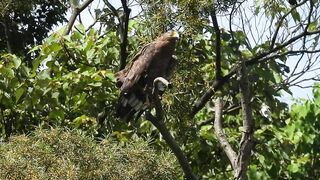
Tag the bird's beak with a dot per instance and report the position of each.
(175, 34)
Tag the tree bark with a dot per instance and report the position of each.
(247, 142)
(158, 122)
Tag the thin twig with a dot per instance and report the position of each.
(274, 37)
(75, 12)
(254, 60)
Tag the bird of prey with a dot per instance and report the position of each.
(136, 80)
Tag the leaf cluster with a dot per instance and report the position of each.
(70, 84)
(69, 154)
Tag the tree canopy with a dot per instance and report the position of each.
(224, 117)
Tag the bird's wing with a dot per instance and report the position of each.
(138, 67)
(121, 75)
(171, 67)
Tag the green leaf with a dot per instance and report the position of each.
(109, 75)
(55, 47)
(296, 16)
(98, 84)
(35, 48)
(313, 26)
(25, 71)
(90, 54)
(65, 86)
(277, 77)
(14, 61)
(86, 73)
(261, 159)
(7, 72)
(207, 133)
(44, 74)
(88, 45)
(19, 92)
(297, 137)
(57, 114)
(304, 159)
(131, 24)
(293, 167)
(55, 95)
(81, 28)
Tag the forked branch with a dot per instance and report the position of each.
(76, 10)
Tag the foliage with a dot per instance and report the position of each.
(23, 25)
(291, 149)
(197, 55)
(71, 83)
(69, 154)
(57, 91)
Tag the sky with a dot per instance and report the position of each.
(87, 20)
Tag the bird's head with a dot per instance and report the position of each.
(170, 36)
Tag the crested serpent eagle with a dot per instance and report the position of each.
(136, 80)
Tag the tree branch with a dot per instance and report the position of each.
(254, 60)
(247, 141)
(218, 43)
(158, 122)
(226, 111)
(76, 10)
(281, 21)
(123, 31)
(221, 136)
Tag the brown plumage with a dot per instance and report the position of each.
(136, 80)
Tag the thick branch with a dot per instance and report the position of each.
(247, 141)
(217, 45)
(75, 12)
(123, 28)
(158, 122)
(221, 136)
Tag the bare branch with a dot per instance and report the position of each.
(123, 31)
(309, 21)
(254, 60)
(221, 136)
(281, 21)
(75, 12)
(218, 43)
(113, 10)
(158, 122)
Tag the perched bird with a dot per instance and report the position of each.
(136, 80)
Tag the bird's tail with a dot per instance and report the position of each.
(129, 105)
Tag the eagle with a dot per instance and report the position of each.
(136, 80)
